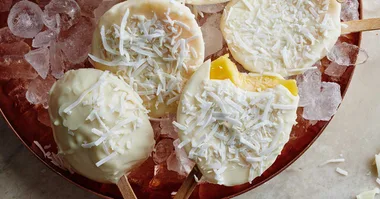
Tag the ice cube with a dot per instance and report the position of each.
(38, 90)
(5, 5)
(156, 129)
(213, 20)
(213, 39)
(350, 10)
(326, 104)
(88, 7)
(335, 70)
(164, 178)
(104, 7)
(346, 54)
(25, 19)
(43, 38)
(16, 67)
(76, 42)
(309, 86)
(39, 59)
(211, 8)
(167, 127)
(43, 117)
(178, 160)
(19, 48)
(56, 60)
(163, 150)
(61, 14)
(6, 36)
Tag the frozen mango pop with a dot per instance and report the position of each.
(155, 45)
(235, 125)
(284, 37)
(99, 124)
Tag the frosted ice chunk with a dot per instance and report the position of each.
(178, 160)
(346, 54)
(76, 44)
(43, 117)
(38, 90)
(61, 14)
(5, 5)
(163, 150)
(156, 129)
(167, 127)
(39, 59)
(326, 104)
(214, 20)
(213, 39)
(350, 10)
(309, 86)
(212, 35)
(211, 8)
(335, 70)
(56, 60)
(43, 38)
(25, 19)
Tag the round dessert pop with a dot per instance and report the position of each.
(156, 45)
(99, 124)
(234, 125)
(284, 37)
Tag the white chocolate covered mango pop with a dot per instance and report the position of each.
(234, 125)
(99, 124)
(155, 45)
(284, 37)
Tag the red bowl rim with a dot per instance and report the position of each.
(231, 196)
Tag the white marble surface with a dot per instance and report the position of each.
(354, 132)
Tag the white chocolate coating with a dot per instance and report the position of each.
(155, 60)
(284, 37)
(233, 144)
(102, 113)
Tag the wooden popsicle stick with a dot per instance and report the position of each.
(189, 184)
(360, 25)
(125, 188)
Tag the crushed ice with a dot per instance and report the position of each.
(163, 150)
(346, 54)
(178, 160)
(326, 103)
(61, 14)
(38, 91)
(319, 99)
(25, 19)
(39, 59)
(350, 10)
(212, 35)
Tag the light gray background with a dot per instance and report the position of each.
(354, 132)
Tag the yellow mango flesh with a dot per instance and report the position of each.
(223, 68)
